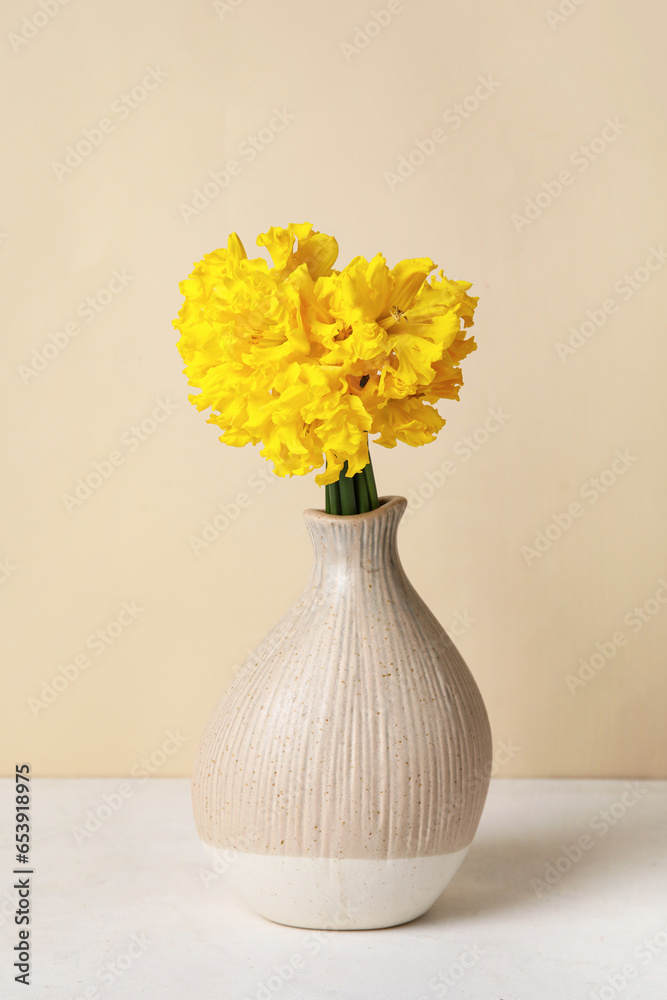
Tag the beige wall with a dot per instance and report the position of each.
(523, 621)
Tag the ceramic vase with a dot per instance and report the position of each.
(345, 768)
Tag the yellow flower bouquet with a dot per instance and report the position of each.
(310, 361)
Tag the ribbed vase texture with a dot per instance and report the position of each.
(345, 768)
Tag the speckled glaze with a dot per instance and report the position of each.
(354, 733)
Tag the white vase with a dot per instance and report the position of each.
(345, 768)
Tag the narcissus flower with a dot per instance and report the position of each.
(310, 361)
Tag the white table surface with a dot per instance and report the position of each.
(492, 934)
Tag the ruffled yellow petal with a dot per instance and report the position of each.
(316, 250)
(408, 276)
(307, 361)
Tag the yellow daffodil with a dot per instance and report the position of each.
(309, 361)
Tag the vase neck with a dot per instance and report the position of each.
(354, 545)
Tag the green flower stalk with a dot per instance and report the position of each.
(352, 494)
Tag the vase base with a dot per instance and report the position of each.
(346, 894)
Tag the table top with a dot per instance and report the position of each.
(563, 895)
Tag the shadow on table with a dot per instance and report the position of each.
(506, 873)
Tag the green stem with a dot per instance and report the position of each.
(361, 493)
(354, 494)
(348, 501)
(332, 498)
(373, 502)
